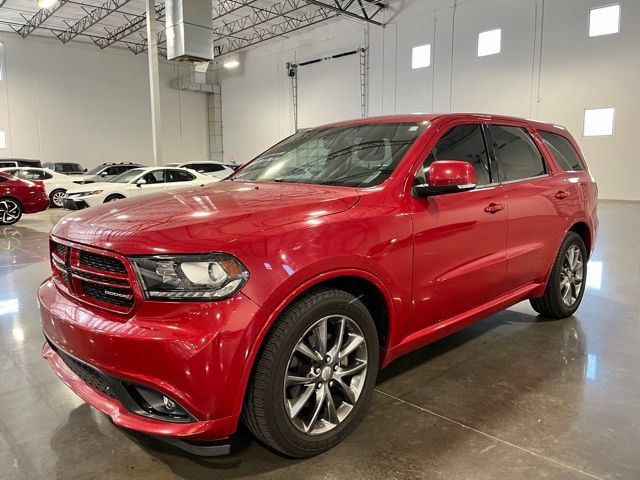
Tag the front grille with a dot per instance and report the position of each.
(89, 375)
(98, 279)
(101, 262)
(115, 296)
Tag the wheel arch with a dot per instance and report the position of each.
(15, 199)
(360, 283)
(582, 228)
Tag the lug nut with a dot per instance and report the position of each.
(331, 383)
(335, 367)
(319, 386)
(327, 358)
(317, 371)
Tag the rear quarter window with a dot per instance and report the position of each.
(563, 151)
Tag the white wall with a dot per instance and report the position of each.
(548, 69)
(76, 103)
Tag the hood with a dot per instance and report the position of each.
(200, 219)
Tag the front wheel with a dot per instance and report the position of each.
(10, 211)
(56, 197)
(315, 376)
(565, 287)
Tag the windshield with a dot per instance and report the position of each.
(127, 176)
(355, 156)
(95, 170)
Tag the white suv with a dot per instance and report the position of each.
(212, 169)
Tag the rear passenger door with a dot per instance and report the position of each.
(536, 213)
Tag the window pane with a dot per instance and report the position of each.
(157, 176)
(466, 143)
(598, 122)
(180, 176)
(517, 155)
(489, 42)
(604, 20)
(563, 151)
(421, 56)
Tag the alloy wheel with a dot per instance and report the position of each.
(571, 276)
(325, 375)
(9, 211)
(57, 198)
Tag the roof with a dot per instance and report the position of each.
(430, 117)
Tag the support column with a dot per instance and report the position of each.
(154, 82)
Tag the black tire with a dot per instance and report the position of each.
(551, 303)
(55, 194)
(10, 211)
(113, 198)
(264, 411)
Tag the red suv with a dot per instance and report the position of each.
(274, 297)
(20, 196)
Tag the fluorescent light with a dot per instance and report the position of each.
(489, 42)
(598, 122)
(46, 3)
(231, 63)
(604, 20)
(421, 56)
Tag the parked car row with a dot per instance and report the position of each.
(81, 189)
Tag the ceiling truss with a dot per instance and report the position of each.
(238, 24)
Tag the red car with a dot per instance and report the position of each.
(20, 196)
(274, 297)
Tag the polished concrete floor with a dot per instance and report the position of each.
(514, 397)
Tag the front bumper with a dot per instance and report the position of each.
(193, 353)
(73, 204)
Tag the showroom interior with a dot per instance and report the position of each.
(104, 84)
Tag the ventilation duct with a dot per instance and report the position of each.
(189, 30)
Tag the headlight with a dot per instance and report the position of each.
(86, 194)
(199, 277)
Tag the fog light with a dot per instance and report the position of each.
(168, 403)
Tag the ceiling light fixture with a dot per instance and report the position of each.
(231, 63)
(46, 3)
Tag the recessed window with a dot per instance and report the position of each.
(489, 42)
(421, 56)
(598, 122)
(604, 20)
(3, 139)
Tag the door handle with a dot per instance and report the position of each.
(562, 195)
(494, 207)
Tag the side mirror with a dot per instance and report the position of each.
(141, 182)
(85, 170)
(103, 174)
(446, 176)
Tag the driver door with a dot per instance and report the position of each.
(460, 240)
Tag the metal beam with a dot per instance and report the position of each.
(38, 19)
(259, 17)
(133, 25)
(288, 25)
(343, 9)
(92, 18)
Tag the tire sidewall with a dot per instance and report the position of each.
(59, 190)
(282, 427)
(572, 239)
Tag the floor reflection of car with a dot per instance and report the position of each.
(132, 183)
(56, 184)
(273, 297)
(19, 196)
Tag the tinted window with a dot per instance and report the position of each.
(356, 156)
(518, 157)
(205, 167)
(34, 175)
(179, 176)
(114, 170)
(563, 151)
(7, 164)
(157, 176)
(465, 143)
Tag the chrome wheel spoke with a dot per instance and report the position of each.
(352, 344)
(337, 344)
(572, 276)
(297, 404)
(310, 354)
(321, 336)
(332, 413)
(320, 397)
(295, 380)
(352, 370)
(346, 389)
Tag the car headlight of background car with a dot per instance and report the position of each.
(86, 194)
(198, 277)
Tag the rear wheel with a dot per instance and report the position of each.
(565, 287)
(315, 376)
(10, 211)
(113, 198)
(56, 197)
